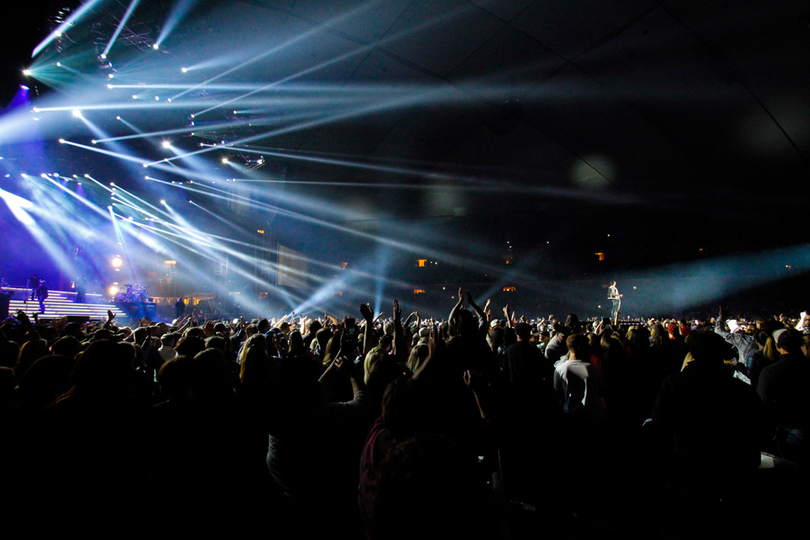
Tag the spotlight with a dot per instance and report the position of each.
(157, 98)
(224, 161)
(134, 96)
(156, 46)
(61, 141)
(162, 201)
(77, 113)
(93, 141)
(117, 262)
(118, 118)
(59, 64)
(109, 87)
(110, 76)
(184, 70)
(166, 144)
(26, 72)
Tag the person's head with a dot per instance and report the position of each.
(140, 334)
(707, 348)
(169, 339)
(523, 331)
(789, 341)
(578, 347)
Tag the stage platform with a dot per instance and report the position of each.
(62, 304)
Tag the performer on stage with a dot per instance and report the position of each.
(41, 293)
(615, 299)
(179, 307)
(33, 283)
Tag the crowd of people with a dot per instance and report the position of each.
(467, 425)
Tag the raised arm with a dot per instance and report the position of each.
(368, 316)
(459, 304)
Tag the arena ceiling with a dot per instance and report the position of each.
(522, 120)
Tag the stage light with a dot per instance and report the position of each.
(166, 144)
(184, 70)
(77, 113)
(224, 161)
(117, 262)
(118, 118)
(113, 290)
(93, 141)
(61, 141)
(109, 87)
(156, 46)
(110, 76)
(134, 96)
(26, 72)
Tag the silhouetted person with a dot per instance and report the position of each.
(42, 294)
(33, 284)
(179, 308)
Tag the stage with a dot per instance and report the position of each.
(63, 304)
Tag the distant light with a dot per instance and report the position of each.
(157, 98)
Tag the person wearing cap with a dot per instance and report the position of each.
(783, 388)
